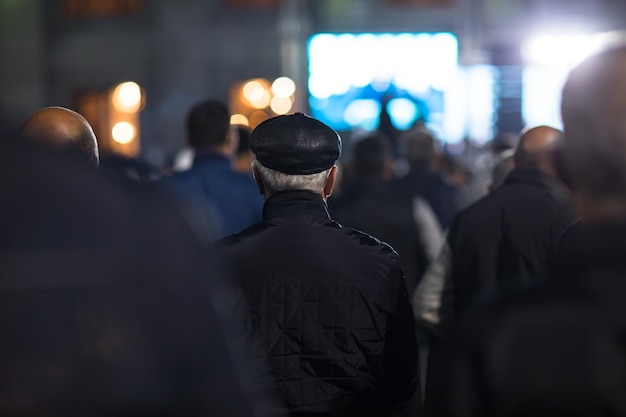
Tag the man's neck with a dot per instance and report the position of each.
(223, 150)
(267, 195)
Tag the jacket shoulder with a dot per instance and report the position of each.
(370, 242)
(236, 238)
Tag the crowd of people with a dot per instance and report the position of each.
(280, 275)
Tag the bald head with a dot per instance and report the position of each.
(65, 129)
(534, 149)
(593, 107)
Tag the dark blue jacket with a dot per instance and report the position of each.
(212, 189)
(442, 197)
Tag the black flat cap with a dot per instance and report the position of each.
(295, 144)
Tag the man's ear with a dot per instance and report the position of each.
(257, 178)
(330, 181)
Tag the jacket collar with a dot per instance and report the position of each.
(212, 157)
(293, 203)
(529, 175)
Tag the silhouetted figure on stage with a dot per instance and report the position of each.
(385, 125)
(327, 305)
(103, 310)
(63, 129)
(212, 185)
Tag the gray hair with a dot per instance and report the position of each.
(275, 181)
(418, 147)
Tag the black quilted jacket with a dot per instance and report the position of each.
(327, 307)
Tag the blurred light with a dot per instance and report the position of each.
(444, 59)
(319, 87)
(347, 70)
(257, 93)
(263, 101)
(363, 60)
(239, 119)
(123, 132)
(283, 87)
(252, 90)
(481, 82)
(403, 112)
(127, 97)
(541, 95)
(362, 113)
(563, 51)
(281, 105)
(257, 118)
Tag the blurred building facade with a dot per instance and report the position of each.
(53, 52)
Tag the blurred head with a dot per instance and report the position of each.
(295, 152)
(535, 149)
(594, 151)
(418, 147)
(208, 126)
(371, 157)
(63, 129)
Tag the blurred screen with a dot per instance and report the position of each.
(411, 77)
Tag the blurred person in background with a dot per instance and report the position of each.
(212, 185)
(426, 298)
(557, 349)
(407, 223)
(327, 305)
(503, 241)
(65, 130)
(368, 204)
(509, 236)
(418, 147)
(482, 160)
(107, 304)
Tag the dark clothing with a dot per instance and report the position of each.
(329, 308)
(503, 241)
(553, 350)
(212, 186)
(102, 310)
(506, 238)
(442, 196)
(371, 206)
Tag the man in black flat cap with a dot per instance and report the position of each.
(327, 305)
